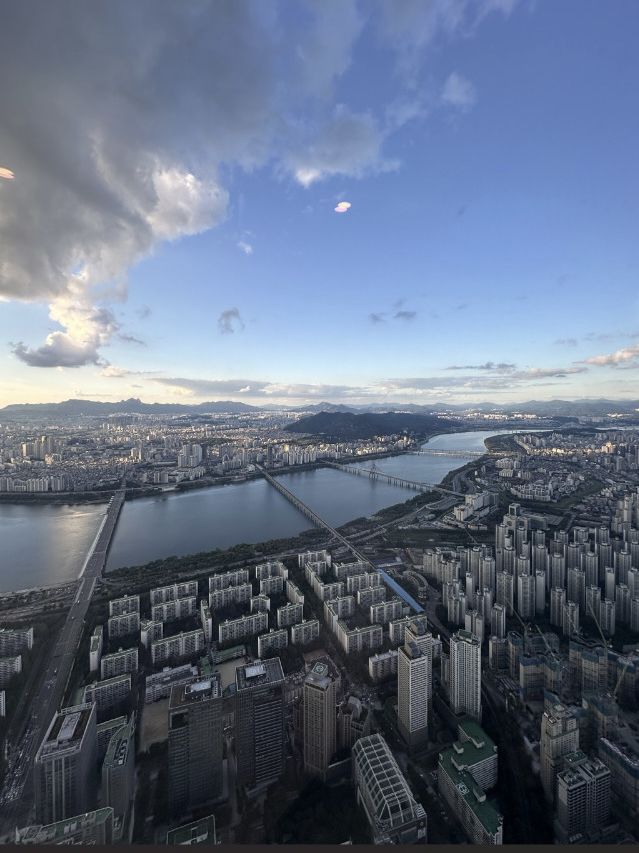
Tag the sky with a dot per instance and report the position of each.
(395, 201)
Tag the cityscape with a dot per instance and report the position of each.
(387, 593)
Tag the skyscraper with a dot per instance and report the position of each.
(465, 674)
(320, 720)
(414, 682)
(195, 744)
(259, 723)
(65, 765)
(559, 736)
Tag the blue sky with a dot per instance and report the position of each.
(171, 233)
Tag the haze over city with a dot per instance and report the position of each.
(387, 202)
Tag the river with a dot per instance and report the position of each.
(43, 545)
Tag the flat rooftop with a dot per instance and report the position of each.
(473, 794)
(67, 729)
(259, 673)
(199, 690)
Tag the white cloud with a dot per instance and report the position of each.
(245, 247)
(614, 359)
(458, 92)
(7, 174)
(342, 207)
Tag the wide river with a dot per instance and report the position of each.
(42, 545)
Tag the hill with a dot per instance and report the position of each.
(133, 406)
(346, 425)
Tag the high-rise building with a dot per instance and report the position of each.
(465, 674)
(559, 737)
(498, 621)
(393, 814)
(259, 723)
(195, 744)
(414, 682)
(583, 797)
(320, 720)
(118, 776)
(65, 765)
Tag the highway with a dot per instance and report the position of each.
(16, 797)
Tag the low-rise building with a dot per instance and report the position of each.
(394, 816)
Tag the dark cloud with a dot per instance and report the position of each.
(230, 321)
(405, 315)
(376, 318)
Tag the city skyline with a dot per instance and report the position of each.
(438, 208)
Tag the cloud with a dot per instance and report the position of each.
(411, 26)
(342, 207)
(458, 92)
(615, 359)
(230, 321)
(110, 371)
(566, 342)
(7, 174)
(123, 121)
(376, 318)
(348, 143)
(500, 366)
(88, 329)
(245, 247)
(143, 312)
(405, 315)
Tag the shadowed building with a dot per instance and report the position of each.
(195, 744)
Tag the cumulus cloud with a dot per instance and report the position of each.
(230, 321)
(121, 120)
(615, 359)
(342, 207)
(458, 92)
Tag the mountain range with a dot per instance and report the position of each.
(546, 408)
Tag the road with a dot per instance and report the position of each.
(16, 797)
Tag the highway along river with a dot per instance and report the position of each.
(47, 544)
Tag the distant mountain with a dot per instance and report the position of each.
(326, 407)
(77, 408)
(346, 425)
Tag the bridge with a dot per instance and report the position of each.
(456, 454)
(375, 474)
(16, 796)
(318, 521)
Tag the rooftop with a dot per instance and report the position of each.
(473, 793)
(198, 690)
(259, 673)
(67, 729)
